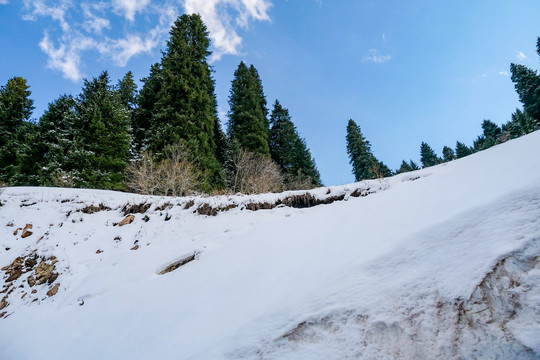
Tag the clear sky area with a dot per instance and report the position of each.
(405, 71)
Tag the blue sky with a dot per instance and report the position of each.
(405, 71)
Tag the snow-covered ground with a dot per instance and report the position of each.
(439, 263)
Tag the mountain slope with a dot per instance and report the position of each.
(439, 263)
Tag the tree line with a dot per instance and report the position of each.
(527, 84)
(165, 139)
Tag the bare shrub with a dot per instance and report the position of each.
(376, 170)
(177, 175)
(255, 173)
(174, 175)
(142, 175)
(299, 181)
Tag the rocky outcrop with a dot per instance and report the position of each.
(127, 220)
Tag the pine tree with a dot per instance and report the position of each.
(428, 156)
(527, 84)
(288, 150)
(56, 140)
(185, 111)
(126, 91)
(414, 166)
(448, 154)
(462, 150)
(104, 135)
(15, 110)
(405, 167)
(146, 108)
(248, 123)
(359, 151)
(490, 137)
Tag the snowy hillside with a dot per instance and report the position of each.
(439, 263)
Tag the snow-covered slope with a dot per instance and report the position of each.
(439, 263)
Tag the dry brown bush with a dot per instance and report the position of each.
(174, 175)
(299, 181)
(255, 173)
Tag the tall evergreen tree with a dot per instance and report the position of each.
(288, 150)
(248, 123)
(104, 134)
(462, 150)
(146, 108)
(126, 91)
(527, 84)
(428, 156)
(15, 110)
(54, 150)
(185, 110)
(359, 151)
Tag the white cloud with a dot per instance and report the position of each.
(504, 73)
(130, 7)
(218, 17)
(66, 57)
(94, 23)
(3, 2)
(40, 8)
(376, 57)
(124, 49)
(90, 27)
(521, 56)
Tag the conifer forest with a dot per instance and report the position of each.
(166, 138)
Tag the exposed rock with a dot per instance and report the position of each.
(2, 314)
(127, 220)
(164, 207)
(22, 297)
(136, 209)
(45, 273)
(15, 270)
(175, 265)
(53, 290)
(31, 262)
(99, 251)
(207, 209)
(31, 281)
(34, 291)
(91, 209)
(16, 231)
(10, 224)
(26, 231)
(135, 247)
(3, 304)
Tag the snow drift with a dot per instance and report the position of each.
(438, 263)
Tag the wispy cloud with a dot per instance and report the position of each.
(375, 56)
(75, 29)
(504, 73)
(128, 8)
(66, 56)
(521, 56)
(3, 2)
(221, 17)
(94, 23)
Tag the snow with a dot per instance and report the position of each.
(399, 273)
